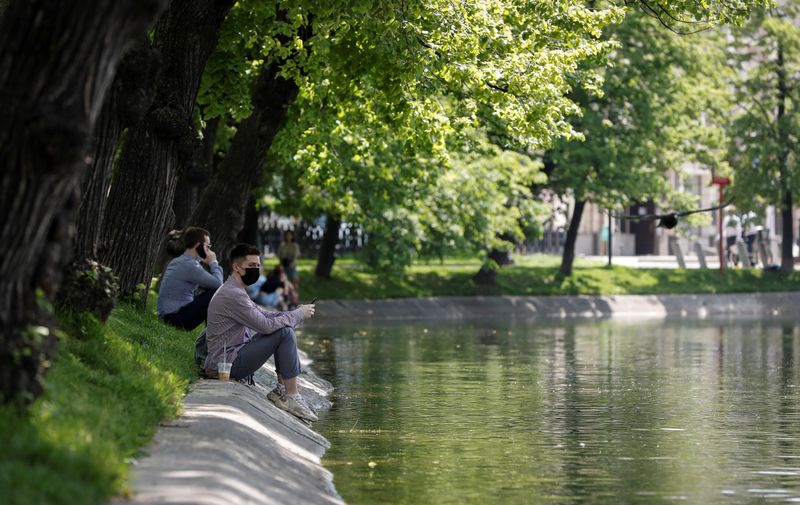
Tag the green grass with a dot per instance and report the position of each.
(110, 387)
(532, 275)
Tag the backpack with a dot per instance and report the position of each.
(200, 353)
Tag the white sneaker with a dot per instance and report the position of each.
(296, 405)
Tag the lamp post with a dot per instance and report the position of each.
(721, 182)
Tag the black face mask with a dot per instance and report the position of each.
(251, 275)
(201, 251)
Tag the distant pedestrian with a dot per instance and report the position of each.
(288, 253)
(733, 234)
(178, 303)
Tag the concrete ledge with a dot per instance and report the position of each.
(233, 446)
(649, 306)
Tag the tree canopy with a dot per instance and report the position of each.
(426, 121)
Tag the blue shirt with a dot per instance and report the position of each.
(181, 279)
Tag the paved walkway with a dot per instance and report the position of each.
(691, 260)
(233, 446)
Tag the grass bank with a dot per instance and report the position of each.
(109, 388)
(533, 275)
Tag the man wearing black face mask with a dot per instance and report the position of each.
(177, 303)
(242, 333)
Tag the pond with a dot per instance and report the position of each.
(562, 412)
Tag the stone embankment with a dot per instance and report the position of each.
(524, 307)
(233, 446)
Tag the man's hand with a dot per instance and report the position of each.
(308, 310)
(210, 255)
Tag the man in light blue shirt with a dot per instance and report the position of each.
(177, 303)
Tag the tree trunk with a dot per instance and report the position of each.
(249, 231)
(221, 210)
(568, 256)
(125, 105)
(187, 194)
(486, 276)
(139, 211)
(57, 62)
(787, 259)
(88, 286)
(327, 250)
(193, 181)
(90, 213)
(502, 258)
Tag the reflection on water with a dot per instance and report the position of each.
(544, 412)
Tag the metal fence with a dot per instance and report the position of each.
(307, 234)
(352, 237)
(552, 242)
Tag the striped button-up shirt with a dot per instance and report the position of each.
(233, 319)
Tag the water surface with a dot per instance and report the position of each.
(555, 412)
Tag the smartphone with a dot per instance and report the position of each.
(201, 251)
(313, 301)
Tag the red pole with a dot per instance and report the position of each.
(721, 182)
(721, 238)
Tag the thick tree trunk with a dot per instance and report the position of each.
(89, 286)
(568, 256)
(139, 211)
(125, 105)
(187, 195)
(486, 275)
(327, 250)
(221, 210)
(90, 213)
(502, 258)
(57, 62)
(193, 181)
(249, 231)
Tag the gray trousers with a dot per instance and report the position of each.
(282, 343)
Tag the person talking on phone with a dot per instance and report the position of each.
(178, 303)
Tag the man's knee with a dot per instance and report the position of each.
(287, 335)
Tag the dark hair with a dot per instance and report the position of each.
(239, 251)
(287, 233)
(192, 235)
